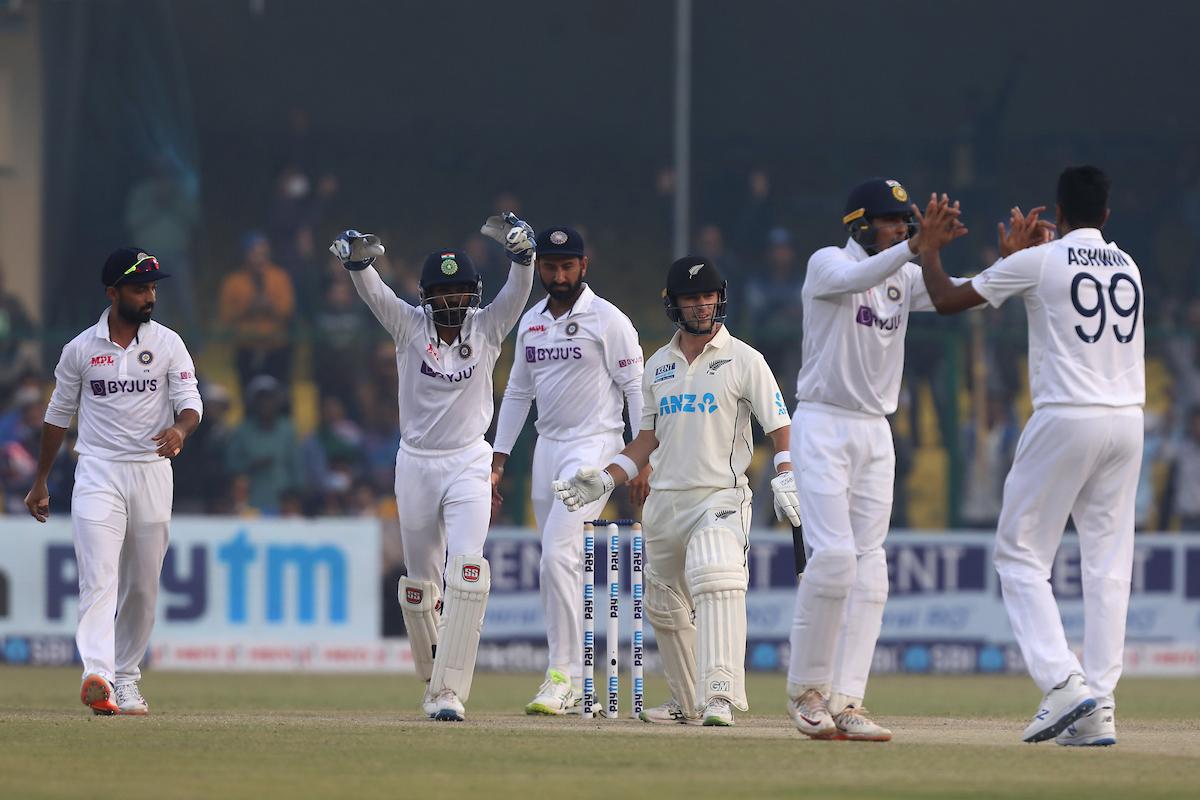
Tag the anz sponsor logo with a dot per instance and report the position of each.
(451, 377)
(780, 408)
(536, 354)
(867, 316)
(105, 388)
(686, 404)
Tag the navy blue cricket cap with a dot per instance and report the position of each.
(447, 268)
(877, 197)
(560, 241)
(131, 265)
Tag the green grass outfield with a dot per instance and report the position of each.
(285, 736)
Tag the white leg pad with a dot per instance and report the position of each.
(419, 602)
(716, 576)
(676, 636)
(820, 609)
(468, 582)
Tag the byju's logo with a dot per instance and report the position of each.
(866, 316)
(686, 404)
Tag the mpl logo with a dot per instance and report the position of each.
(413, 595)
(686, 404)
(536, 329)
(471, 573)
(102, 361)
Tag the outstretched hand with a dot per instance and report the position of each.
(940, 223)
(1024, 230)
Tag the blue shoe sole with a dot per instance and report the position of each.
(446, 715)
(1106, 742)
(1063, 722)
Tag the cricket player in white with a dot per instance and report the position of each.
(856, 303)
(699, 392)
(578, 356)
(445, 353)
(133, 385)
(1079, 455)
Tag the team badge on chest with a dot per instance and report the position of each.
(465, 351)
(572, 328)
(145, 358)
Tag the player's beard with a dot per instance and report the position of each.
(564, 293)
(136, 314)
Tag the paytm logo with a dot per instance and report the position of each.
(686, 404)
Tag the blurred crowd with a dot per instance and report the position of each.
(299, 380)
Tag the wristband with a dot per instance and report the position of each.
(626, 463)
(780, 457)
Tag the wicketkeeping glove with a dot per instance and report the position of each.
(588, 485)
(356, 250)
(787, 504)
(515, 234)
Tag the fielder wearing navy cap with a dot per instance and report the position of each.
(872, 199)
(131, 265)
(560, 241)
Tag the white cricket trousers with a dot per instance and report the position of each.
(444, 499)
(561, 569)
(1082, 462)
(845, 466)
(120, 513)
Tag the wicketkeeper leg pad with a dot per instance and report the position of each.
(468, 582)
(716, 576)
(676, 636)
(419, 603)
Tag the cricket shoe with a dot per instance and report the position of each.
(429, 702)
(1097, 728)
(555, 697)
(1061, 706)
(96, 693)
(447, 707)
(853, 725)
(810, 714)
(717, 713)
(669, 713)
(130, 700)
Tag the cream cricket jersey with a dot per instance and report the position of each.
(855, 316)
(700, 412)
(1083, 297)
(580, 368)
(445, 392)
(124, 395)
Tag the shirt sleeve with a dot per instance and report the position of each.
(763, 393)
(68, 377)
(182, 388)
(918, 292)
(398, 317)
(649, 409)
(514, 408)
(499, 316)
(623, 357)
(1010, 276)
(831, 273)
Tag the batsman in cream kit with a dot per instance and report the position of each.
(578, 357)
(699, 392)
(445, 353)
(133, 385)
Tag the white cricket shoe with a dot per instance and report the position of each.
(447, 707)
(428, 702)
(717, 712)
(669, 713)
(810, 714)
(854, 725)
(555, 697)
(130, 700)
(1061, 706)
(1097, 728)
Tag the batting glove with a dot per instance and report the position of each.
(787, 504)
(588, 485)
(515, 234)
(356, 250)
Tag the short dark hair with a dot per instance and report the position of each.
(1083, 196)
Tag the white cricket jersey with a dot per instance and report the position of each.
(1083, 297)
(445, 392)
(700, 412)
(124, 395)
(580, 368)
(855, 317)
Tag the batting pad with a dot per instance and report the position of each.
(419, 604)
(716, 575)
(468, 582)
(676, 637)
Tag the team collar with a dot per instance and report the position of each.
(1083, 233)
(582, 303)
(716, 343)
(101, 328)
(855, 250)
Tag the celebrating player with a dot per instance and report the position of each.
(445, 353)
(1079, 455)
(698, 394)
(134, 386)
(578, 356)
(856, 303)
